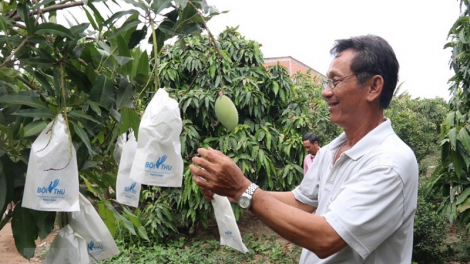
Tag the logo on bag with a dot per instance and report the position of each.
(231, 235)
(159, 164)
(52, 188)
(94, 250)
(131, 188)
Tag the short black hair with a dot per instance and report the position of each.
(374, 57)
(311, 137)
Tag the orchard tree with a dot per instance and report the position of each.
(91, 73)
(95, 75)
(417, 121)
(451, 179)
(274, 113)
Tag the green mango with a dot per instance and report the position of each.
(226, 112)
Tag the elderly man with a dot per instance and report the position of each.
(363, 185)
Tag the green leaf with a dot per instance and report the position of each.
(118, 15)
(128, 224)
(17, 99)
(80, 115)
(129, 119)
(24, 231)
(126, 26)
(38, 63)
(9, 73)
(143, 65)
(35, 113)
(79, 29)
(121, 60)
(275, 87)
(97, 15)
(54, 29)
(5, 23)
(44, 82)
(34, 128)
(125, 93)
(142, 232)
(212, 68)
(450, 120)
(91, 19)
(464, 138)
(78, 78)
(136, 37)
(84, 136)
(95, 107)
(453, 138)
(23, 12)
(463, 196)
(107, 215)
(103, 91)
(160, 5)
(464, 206)
(457, 161)
(139, 4)
(45, 222)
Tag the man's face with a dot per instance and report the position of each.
(346, 100)
(309, 147)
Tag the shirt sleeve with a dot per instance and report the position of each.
(368, 208)
(307, 191)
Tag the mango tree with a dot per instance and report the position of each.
(94, 75)
(274, 112)
(451, 180)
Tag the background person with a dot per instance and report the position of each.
(311, 145)
(363, 185)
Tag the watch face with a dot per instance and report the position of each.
(244, 202)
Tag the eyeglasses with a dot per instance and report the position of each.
(333, 82)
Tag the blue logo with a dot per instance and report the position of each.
(231, 235)
(159, 164)
(131, 188)
(52, 189)
(91, 247)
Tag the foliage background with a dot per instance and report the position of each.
(97, 75)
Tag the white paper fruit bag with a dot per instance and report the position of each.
(52, 175)
(120, 142)
(228, 228)
(127, 190)
(89, 225)
(158, 158)
(68, 247)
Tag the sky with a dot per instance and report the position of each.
(307, 29)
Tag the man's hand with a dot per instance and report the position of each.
(216, 173)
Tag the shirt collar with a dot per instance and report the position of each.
(368, 142)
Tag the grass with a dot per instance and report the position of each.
(262, 249)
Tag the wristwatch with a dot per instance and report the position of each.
(245, 200)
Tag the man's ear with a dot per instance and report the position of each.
(376, 84)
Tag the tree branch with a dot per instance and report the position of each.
(52, 8)
(32, 88)
(211, 37)
(7, 60)
(6, 219)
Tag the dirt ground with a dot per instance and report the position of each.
(8, 252)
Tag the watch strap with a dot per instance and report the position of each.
(251, 189)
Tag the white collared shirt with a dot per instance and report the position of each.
(369, 197)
